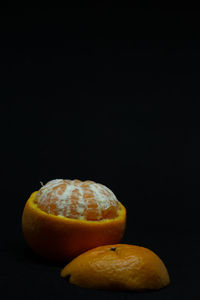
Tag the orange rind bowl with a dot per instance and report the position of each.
(61, 238)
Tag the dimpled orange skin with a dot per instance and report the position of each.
(60, 238)
(118, 267)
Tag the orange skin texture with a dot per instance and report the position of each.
(60, 238)
(118, 267)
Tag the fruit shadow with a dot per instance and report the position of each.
(31, 256)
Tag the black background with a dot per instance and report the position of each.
(109, 95)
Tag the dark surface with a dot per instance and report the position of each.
(114, 100)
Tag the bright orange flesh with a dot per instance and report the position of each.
(118, 267)
(78, 200)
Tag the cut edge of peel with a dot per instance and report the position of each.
(121, 213)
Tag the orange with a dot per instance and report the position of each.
(120, 267)
(67, 217)
(78, 200)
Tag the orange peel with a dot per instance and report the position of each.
(118, 267)
(61, 238)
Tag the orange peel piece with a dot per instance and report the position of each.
(118, 267)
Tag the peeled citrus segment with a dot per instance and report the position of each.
(120, 267)
(78, 200)
(53, 235)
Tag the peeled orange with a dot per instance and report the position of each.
(67, 217)
(118, 267)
